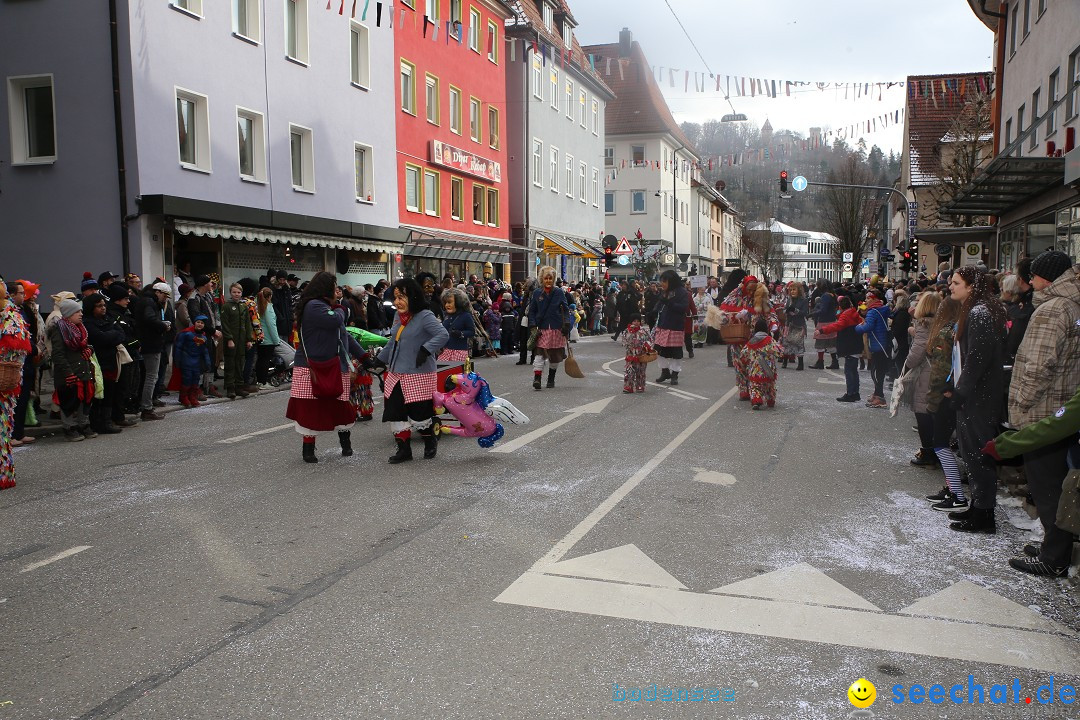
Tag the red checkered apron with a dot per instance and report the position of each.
(415, 387)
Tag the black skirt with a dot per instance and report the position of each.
(395, 409)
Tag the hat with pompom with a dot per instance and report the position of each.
(88, 282)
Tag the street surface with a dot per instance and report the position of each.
(196, 568)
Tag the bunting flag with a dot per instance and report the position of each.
(363, 15)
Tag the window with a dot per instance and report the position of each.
(412, 188)
(251, 144)
(1008, 131)
(537, 77)
(492, 207)
(296, 30)
(568, 100)
(191, 7)
(474, 30)
(474, 119)
(637, 155)
(1042, 9)
(1072, 105)
(408, 87)
(478, 204)
(553, 81)
(1027, 18)
(609, 202)
(302, 156)
(456, 199)
(455, 110)
(431, 97)
(569, 175)
(553, 167)
(1012, 29)
(455, 11)
(493, 127)
(360, 55)
(549, 17)
(1020, 120)
(637, 201)
(432, 10)
(582, 170)
(33, 121)
(567, 34)
(595, 187)
(431, 193)
(609, 157)
(493, 42)
(581, 107)
(246, 21)
(537, 167)
(1034, 118)
(1051, 100)
(363, 173)
(596, 117)
(664, 204)
(193, 126)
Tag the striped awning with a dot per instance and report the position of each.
(282, 237)
(556, 245)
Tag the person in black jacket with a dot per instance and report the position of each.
(105, 337)
(202, 303)
(118, 311)
(628, 304)
(151, 328)
(282, 302)
(671, 304)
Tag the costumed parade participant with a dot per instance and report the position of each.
(759, 360)
(410, 379)
(459, 324)
(549, 318)
(743, 307)
(319, 397)
(796, 309)
(14, 349)
(636, 341)
(670, 333)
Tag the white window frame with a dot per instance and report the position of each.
(567, 34)
(609, 195)
(408, 100)
(633, 162)
(1033, 123)
(583, 99)
(194, 8)
(538, 160)
(595, 187)
(568, 98)
(1012, 29)
(634, 195)
(568, 165)
(596, 117)
(553, 168)
(252, 12)
(18, 122)
(493, 39)
(478, 219)
(455, 12)
(1051, 99)
(489, 208)
(493, 131)
(202, 130)
(432, 208)
(1008, 131)
(457, 198)
(368, 176)
(549, 16)
(553, 84)
(431, 9)
(359, 55)
(299, 29)
(455, 113)
(475, 119)
(1072, 86)
(537, 76)
(307, 159)
(583, 190)
(431, 98)
(258, 145)
(609, 156)
(475, 20)
(414, 172)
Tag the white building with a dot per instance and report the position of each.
(805, 255)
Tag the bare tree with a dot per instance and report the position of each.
(765, 249)
(963, 152)
(848, 212)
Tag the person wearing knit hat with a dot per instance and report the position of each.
(73, 372)
(1046, 373)
(89, 284)
(68, 308)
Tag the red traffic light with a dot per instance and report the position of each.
(783, 175)
(907, 255)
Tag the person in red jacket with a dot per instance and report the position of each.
(848, 345)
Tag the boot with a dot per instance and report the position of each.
(819, 365)
(784, 365)
(800, 365)
(835, 362)
(537, 379)
(690, 353)
(431, 443)
(674, 379)
(345, 438)
(664, 375)
(551, 377)
(309, 453)
(193, 396)
(185, 393)
(404, 451)
(977, 521)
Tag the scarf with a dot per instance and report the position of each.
(405, 318)
(75, 337)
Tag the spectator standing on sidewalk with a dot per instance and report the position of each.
(1046, 374)
(876, 328)
(1020, 308)
(73, 373)
(848, 345)
(918, 364)
(202, 303)
(105, 337)
(151, 327)
(118, 311)
(14, 348)
(270, 340)
(283, 302)
(237, 334)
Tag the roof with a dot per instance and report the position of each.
(527, 17)
(639, 107)
(930, 113)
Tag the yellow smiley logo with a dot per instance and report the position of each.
(862, 693)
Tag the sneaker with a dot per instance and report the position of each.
(1032, 549)
(88, 432)
(939, 496)
(924, 459)
(123, 423)
(73, 435)
(876, 402)
(950, 503)
(1034, 566)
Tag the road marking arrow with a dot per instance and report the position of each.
(593, 408)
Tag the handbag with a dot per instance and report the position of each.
(571, 366)
(325, 375)
(123, 357)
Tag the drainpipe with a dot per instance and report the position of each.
(526, 150)
(121, 170)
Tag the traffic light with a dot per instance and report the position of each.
(906, 263)
(783, 181)
(609, 257)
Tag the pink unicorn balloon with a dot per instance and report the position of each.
(466, 402)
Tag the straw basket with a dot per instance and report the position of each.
(10, 376)
(735, 333)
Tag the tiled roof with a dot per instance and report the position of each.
(639, 106)
(528, 11)
(929, 117)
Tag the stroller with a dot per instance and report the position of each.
(282, 365)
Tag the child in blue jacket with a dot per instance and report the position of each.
(192, 359)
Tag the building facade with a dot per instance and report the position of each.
(799, 255)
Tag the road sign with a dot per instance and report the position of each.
(866, 263)
(624, 248)
(732, 262)
(847, 265)
(799, 183)
(669, 258)
(849, 257)
(624, 260)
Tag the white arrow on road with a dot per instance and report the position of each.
(593, 408)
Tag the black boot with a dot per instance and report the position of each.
(551, 377)
(835, 363)
(664, 375)
(977, 521)
(536, 380)
(819, 365)
(674, 378)
(345, 438)
(431, 443)
(309, 453)
(784, 365)
(404, 451)
(799, 366)
(690, 352)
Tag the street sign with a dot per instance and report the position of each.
(847, 265)
(624, 260)
(943, 249)
(866, 263)
(669, 258)
(624, 248)
(732, 262)
(849, 257)
(799, 183)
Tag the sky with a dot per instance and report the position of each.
(820, 41)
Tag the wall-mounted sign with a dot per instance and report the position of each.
(465, 161)
(732, 262)
(943, 249)
(972, 253)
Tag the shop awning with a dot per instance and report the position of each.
(424, 242)
(557, 245)
(1006, 183)
(956, 236)
(281, 237)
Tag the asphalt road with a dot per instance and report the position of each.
(672, 538)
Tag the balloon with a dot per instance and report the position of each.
(467, 403)
(502, 410)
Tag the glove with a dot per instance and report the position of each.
(991, 449)
(422, 356)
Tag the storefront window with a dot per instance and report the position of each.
(1068, 232)
(1009, 249)
(1040, 234)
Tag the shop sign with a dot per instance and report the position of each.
(465, 161)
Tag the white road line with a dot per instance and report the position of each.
(563, 546)
(58, 556)
(594, 408)
(267, 431)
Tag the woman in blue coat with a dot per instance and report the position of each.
(549, 311)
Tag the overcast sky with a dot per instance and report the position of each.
(856, 41)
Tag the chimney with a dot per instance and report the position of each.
(626, 41)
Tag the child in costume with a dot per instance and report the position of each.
(192, 359)
(759, 357)
(636, 340)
